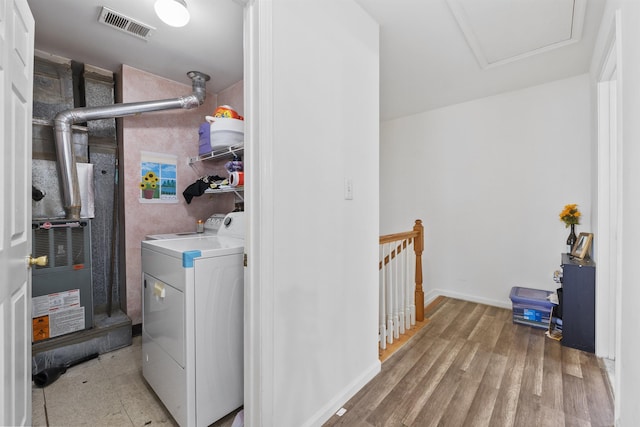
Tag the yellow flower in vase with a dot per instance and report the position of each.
(570, 215)
(149, 184)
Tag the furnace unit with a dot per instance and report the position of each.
(62, 293)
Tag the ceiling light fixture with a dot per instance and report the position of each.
(172, 12)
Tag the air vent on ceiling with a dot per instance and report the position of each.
(125, 24)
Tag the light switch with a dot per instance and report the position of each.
(348, 188)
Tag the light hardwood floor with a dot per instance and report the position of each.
(471, 366)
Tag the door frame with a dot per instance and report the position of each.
(259, 206)
(609, 201)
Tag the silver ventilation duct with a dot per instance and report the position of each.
(65, 119)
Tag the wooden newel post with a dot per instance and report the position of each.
(418, 246)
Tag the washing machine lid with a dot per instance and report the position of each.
(200, 246)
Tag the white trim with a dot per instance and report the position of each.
(620, 229)
(605, 249)
(347, 393)
(608, 251)
(259, 283)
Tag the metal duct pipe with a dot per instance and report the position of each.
(65, 119)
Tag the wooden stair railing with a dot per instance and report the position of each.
(401, 293)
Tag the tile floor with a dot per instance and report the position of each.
(107, 391)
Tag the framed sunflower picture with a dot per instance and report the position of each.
(158, 178)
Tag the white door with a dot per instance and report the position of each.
(16, 84)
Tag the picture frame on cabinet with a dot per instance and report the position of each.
(582, 246)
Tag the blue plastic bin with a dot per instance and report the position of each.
(531, 306)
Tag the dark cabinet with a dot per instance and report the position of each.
(578, 303)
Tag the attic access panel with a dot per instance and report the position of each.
(503, 31)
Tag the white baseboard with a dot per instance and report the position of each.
(329, 409)
(431, 295)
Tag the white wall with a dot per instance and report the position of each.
(628, 351)
(312, 255)
(489, 178)
(630, 295)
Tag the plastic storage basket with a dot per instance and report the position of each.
(531, 306)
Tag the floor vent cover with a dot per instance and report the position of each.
(125, 24)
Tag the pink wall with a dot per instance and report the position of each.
(172, 132)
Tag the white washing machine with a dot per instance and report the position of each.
(192, 322)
